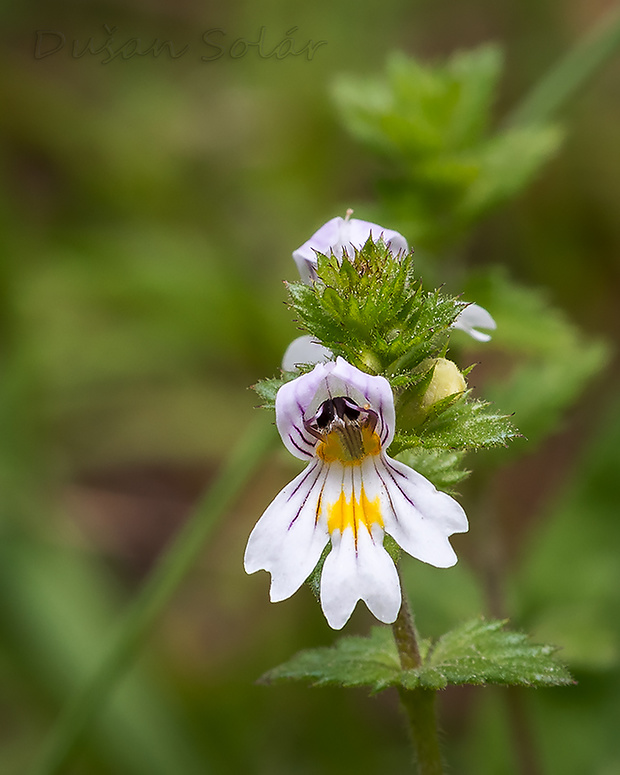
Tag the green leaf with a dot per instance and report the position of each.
(478, 73)
(553, 361)
(353, 662)
(499, 177)
(483, 652)
(417, 110)
(267, 390)
(464, 424)
(477, 652)
(431, 125)
(467, 424)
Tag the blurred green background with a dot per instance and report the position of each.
(149, 207)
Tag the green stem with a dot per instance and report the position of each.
(419, 704)
(570, 74)
(154, 596)
(406, 637)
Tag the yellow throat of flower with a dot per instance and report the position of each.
(348, 443)
(353, 513)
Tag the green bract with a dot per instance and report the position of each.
(371, 309)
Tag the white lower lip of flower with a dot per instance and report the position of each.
(353, 504)
(350, 573)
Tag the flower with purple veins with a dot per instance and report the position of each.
(341, 420)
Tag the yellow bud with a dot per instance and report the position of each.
(446, 381)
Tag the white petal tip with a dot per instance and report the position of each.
(445, 559)
(473, 317)
(277, 597)
(479, 336)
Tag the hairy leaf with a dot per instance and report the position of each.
(353, 662)
(267, 390)
(483, 652)
(477, 652)
(370, 309)
(464, 424)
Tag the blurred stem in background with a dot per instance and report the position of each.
(242, 464)
(570, 74)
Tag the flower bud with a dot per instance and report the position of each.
(446, 381)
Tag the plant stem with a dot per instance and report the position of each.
(154, 596)
(419, 704)
(570, 74)
(406, 637)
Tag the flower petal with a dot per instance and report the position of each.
(290, 536)
(376, 392)
(359, 568)
(304, 349)
(292, 401)
(474, 315)
(321, 240)
(415, 513)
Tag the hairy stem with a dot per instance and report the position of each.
(154, 596)
(419, 704)
(406, 637)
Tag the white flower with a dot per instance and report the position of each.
(474, 315)
(351, 493)
(339, 235)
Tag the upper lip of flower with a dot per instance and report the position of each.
(339, 235)
(297, 402)
(341, 420)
